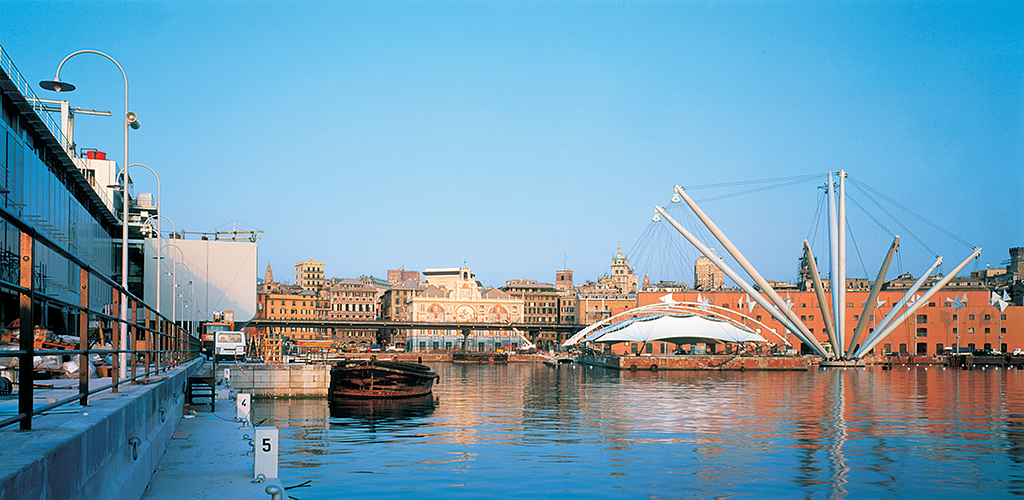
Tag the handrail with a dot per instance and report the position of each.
(7, 65)
(166, 345)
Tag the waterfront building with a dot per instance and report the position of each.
(566, 308)
(309, 274)
(46, 188)
(396, 303)
(563, 280)
(540, 307)
(453, 295)
(594, 307)
(353, 300)
(939, 324)
(397, 276)
(664, 286)
(706, 275)
(621, 280)
(294, 303)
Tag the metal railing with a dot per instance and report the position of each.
(7, 65)
(154, 343)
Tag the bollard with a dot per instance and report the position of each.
(242, 407)
(275, 492)
(266, 452)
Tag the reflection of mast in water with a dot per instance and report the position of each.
(836, 460)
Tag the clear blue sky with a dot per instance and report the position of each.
(520, 137)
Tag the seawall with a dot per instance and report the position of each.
(107, 450)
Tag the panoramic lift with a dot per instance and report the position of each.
(835, 323)
(844, 351)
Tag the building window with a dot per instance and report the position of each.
(970, 317)
(988, 317)
(922, 332)
(922, 318)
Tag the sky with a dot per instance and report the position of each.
(517, 138)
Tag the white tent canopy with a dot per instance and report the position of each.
(674, 328)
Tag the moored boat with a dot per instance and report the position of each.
(370, 378)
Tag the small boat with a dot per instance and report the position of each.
(370, 378)
(480, 357)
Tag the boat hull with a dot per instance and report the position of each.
(373, 379)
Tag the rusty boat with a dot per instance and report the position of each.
(375, 379)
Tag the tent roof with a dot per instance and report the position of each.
(675, 328)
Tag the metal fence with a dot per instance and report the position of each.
(154, 343)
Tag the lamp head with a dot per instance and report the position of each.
(57, 86)
(133, 120)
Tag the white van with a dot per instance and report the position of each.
(229, 345)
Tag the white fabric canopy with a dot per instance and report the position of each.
(674, 328)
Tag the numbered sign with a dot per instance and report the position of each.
(243, 405)
(266, 452)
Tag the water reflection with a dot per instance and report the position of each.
(575, 431)
(382, 411)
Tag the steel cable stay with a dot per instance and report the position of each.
(862, 186)
(658, 255)
(799, 178)
(751, 191)
(856, 249)
(817, 228)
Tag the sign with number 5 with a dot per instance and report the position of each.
(266, 452)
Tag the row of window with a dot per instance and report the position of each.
(922, 348)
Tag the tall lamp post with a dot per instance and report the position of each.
(130, 120)
(160, 242)
(183, 296)
(174, 283)
(158, 221)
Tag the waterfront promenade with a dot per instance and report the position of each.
(132, 444)
(208, 457)
(107, 449)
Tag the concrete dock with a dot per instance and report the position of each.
(136, 443)
(208, 457)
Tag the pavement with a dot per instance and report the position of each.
(209, 456)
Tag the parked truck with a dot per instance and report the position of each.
(223, 321)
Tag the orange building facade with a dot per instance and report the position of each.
(933, 328)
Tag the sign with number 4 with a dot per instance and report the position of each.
(243, 405)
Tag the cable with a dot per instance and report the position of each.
(898, 223)
(911, 212)
(749, 191)
(745, 183)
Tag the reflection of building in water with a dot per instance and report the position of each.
(454, 296)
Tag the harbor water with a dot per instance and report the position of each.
(529, 430)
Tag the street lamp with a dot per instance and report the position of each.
(174, 283)
(160, 242)
(182, 296)
(158, 211)
(130, 120)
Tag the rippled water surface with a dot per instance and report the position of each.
(572, 432)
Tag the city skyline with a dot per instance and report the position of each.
(518, 139)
